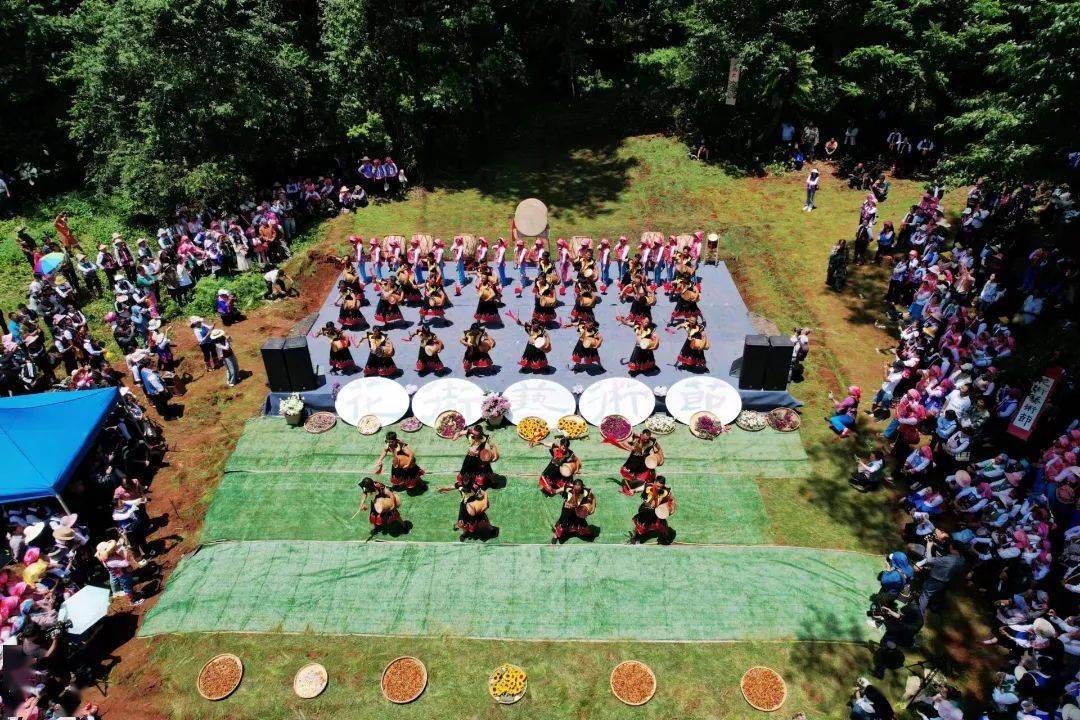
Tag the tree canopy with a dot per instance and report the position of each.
(166, 101)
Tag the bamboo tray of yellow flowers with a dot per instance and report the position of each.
(507, 684)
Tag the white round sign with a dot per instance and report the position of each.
(543, 398)
(438, 396)
(630, 398)
(693, 394)
(378, 396)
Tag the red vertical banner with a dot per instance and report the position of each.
(1023, 422)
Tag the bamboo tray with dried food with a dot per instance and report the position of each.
(784, 420)
(320, 422)
(751, 421)
(309, 681)
(369, 425)
(449, 424)
(616, 427)
(633, 682)
(220, 676)
(403, 680)
(763, 688)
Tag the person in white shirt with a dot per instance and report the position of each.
(813, 180)
(500, 261)
(605, 261)
(458, 248)
(622, 255)
(520, 252)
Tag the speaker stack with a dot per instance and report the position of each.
(288, 365)
(766, 362)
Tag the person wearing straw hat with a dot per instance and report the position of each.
(202, 331)
(224, 349)
(119, 564)
(88, 271)
(225, 306)
(161, 345)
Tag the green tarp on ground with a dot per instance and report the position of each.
(269, 444)
(599, 592)
(283, 483)
(302, 506)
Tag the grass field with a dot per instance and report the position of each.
(598, 184)
(778, 253)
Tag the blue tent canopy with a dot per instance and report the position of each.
(43, 438)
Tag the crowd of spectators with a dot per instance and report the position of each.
(53, 553)
(47, 342)
(987, 510)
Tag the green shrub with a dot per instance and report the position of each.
(248, 288)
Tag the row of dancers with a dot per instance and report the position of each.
(560, 478)
(659, 257)
(431, 297)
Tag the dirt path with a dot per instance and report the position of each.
(199, 444)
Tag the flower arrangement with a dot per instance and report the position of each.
(660, 391)
(292, 408)
(494, 406)
(335, 390)
(411, 389)
(577, 389)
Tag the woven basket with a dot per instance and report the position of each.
(306, 692)
(230, 656)
(783, 698)
(320, 422)
(611, 682)
(423, 684)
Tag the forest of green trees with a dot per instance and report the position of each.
(168, 100)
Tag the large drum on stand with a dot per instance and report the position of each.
(531, 220)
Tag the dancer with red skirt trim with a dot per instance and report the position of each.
(642, 358)
(410, 293)
(642, 300)
(537, 346)
(387, 310)
(478, 346)
(384, 516)
(472, 519)
(587, 350)
(352, 280)
(487, 304)
(349, 315)
(435, 300)
(692, 354)
(585, 301)
(657, 505)
(546, 300)
(578, 504)
(640, 467)
(341, 359)
(481, 453)
(381, 358)
(562, 467)
(427, 358)
(686, 304)
(405, 473)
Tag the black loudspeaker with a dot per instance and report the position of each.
(277, 375)
(778, 368)
(754, 359)
(298, 364)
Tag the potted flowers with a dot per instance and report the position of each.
(292, 409)
(493, 408)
